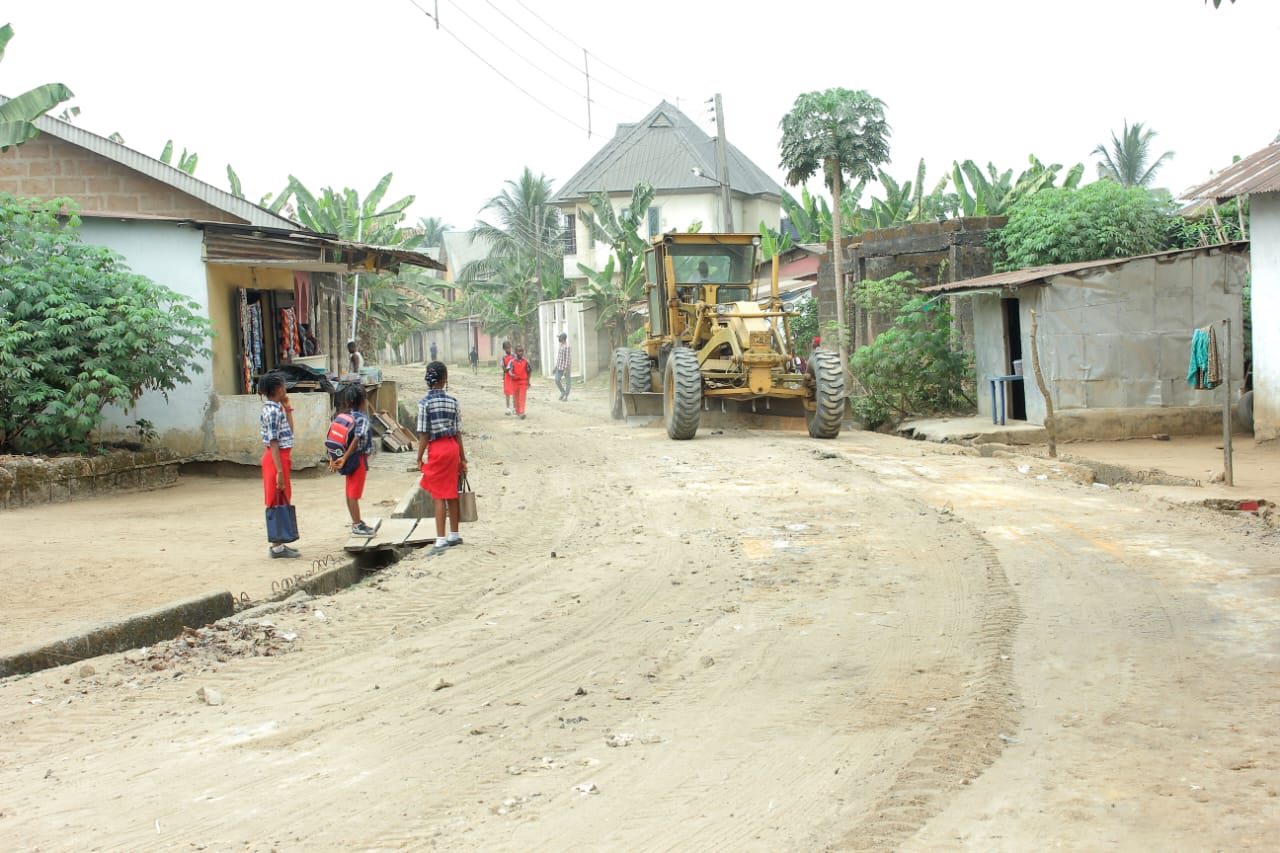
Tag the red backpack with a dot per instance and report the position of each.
(341, 433)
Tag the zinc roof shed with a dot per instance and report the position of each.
(1257, 173)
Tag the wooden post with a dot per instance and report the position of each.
(1044, 391)
(1228, 475)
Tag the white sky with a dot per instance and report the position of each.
(339, 92)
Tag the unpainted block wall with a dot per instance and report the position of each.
(33, 480)
(47, 167)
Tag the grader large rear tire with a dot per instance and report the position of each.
(682, 395)
(828, 383)
(639, 372)
(618, 384)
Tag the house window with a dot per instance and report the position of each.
(655, 227)
(570, 234)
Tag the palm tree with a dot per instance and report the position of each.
(841, 132)
(433, 228)
(525, 238)
(18, 114)
(1125, 162)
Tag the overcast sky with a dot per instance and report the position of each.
(339, 92)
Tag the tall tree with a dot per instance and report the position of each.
(1125, 161)
(613, 294)
(433, 228)
(841, 132)
(526, 237)
(18, 114)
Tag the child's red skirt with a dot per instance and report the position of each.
(440, 471)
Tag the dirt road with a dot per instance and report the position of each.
(749, 641)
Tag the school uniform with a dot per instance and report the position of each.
(364, 446)
(274, 425)
(440, 419)
(520, 382)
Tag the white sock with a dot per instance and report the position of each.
(441, 542)
(453, 537)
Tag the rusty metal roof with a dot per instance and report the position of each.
(1257, 173)
(249, 245)
(1040, 275)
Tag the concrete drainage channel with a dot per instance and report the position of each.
(168, 622)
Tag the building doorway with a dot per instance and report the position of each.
(1013, 359)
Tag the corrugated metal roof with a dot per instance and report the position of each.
(663, 149)
(1039, 275)
(1257, 173)
(299, 249)
(163, 172)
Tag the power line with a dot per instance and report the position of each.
(593, 56)
(553, 52)
(495, 70)
(521, 56)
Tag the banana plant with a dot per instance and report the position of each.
(186, 162)
(614, 294)
(773, 242)
(18, 114)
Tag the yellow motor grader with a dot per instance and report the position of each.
(711, 342)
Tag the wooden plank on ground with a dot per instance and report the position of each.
(392, 532)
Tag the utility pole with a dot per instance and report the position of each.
(722, 166)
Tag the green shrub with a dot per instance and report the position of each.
(1096, 221)
(911, 369)
(80, 331)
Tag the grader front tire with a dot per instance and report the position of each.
(828, 381)
(682, 395)
(639, 372)
(618, 384)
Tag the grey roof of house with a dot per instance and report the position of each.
(663, 149)
(1015, 279)
(163, 172)
(1257, 173)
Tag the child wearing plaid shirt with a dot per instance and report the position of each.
(354, 464)
(440, 439)
(276, 428)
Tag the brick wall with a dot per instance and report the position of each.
(936, 252)
(47, 167)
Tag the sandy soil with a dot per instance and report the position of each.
(750, 641)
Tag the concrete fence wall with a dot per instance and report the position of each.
(31, 481)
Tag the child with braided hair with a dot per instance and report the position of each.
(440, 440)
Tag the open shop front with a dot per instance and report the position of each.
(277, 302)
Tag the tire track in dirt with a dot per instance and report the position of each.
(969, 735)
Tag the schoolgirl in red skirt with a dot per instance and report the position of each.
(440, 441)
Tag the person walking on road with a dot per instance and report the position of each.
(508, 384)
(520, 375)
(562, 366)
(473, 358)
(440, 440)
(433, 350)
(276, 427)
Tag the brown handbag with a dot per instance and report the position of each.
(466, 501)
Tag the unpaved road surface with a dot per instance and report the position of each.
(749, 641)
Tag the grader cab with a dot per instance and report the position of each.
(711, 344)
